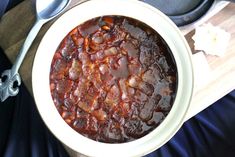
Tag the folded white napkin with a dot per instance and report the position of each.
(211, 39)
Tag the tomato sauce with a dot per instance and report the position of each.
(113, 79)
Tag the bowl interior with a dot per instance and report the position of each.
(74, 17)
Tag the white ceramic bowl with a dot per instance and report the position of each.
(130, 8)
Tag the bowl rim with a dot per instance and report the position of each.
(130, 8)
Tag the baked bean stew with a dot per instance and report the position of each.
(113, 79)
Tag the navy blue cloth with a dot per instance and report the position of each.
(3, 6)
(6, 5)
(210, 133)
(22, 131)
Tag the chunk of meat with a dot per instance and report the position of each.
(88, 70)
(146, 56)
(135, 32)
(103, 69)
(133, 127)
(146, 88)
(156, 119)
(165, 103)
(123, 88)
(81, 123)
(130, 49)
(146, 112)
(64, 86)
(93, 125)
(97, 39)
(140, 97)
(85, 106)
(134, 81)
(113, 96)
(122, 70)
(84, 58)
(108, 21)
(111, 51)
(89, 27)
(135, 69)
(163, 63)
(152, 75)
(113, 133)
(100, 114)
(60, 66)
(75, 70)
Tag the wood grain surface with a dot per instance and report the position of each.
(222, 69)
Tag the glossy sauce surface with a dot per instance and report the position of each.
(113, 79)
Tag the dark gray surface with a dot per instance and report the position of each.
(175, 7)
(182, 12)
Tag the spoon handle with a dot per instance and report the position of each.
(11, 76)
(27, 43)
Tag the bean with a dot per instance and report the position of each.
(112, 79)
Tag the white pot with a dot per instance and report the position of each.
(130, 8)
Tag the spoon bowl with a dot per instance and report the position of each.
(47, 9)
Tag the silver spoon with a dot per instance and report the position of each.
(45, 11)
